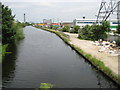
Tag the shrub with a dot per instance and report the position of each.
(86, 33)
(72, 31)
(55, 27)
(66, 28)
(76, 28)
(50, 27)
(98, 32)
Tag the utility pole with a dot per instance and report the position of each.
(24, 18)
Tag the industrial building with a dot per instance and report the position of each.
(83, 22)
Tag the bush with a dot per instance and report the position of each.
(98, 32)
(55, 27)
(86, 33)
(76, 28)
(66, 28)
(72, 31)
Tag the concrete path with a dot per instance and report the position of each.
(109, 60)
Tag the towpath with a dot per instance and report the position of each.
(109, 60)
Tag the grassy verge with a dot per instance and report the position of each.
(95, 62)
(64, 37)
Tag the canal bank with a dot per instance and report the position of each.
(99, 64)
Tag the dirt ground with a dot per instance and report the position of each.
(110, 60)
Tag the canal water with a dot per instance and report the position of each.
(42, 57)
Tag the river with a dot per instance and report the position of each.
(42, 57)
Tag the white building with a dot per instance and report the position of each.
(83, 22)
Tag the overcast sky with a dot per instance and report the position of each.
(58, 10)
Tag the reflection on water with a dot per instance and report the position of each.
(9, 64)
(42, 57)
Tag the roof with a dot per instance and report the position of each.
(54, 23)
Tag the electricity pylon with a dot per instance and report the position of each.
(108, 8)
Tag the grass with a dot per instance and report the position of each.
(95, 62)
(2, 51)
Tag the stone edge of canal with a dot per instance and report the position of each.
(111, 75)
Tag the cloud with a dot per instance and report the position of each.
(37, 11)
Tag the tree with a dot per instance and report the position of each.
(8, 32)
(11, 30)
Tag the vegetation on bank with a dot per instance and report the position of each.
(75, 29)
(60, 34)
(97, 63)
(95, 32)
(12, 31)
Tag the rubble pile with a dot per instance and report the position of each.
(108, 47)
